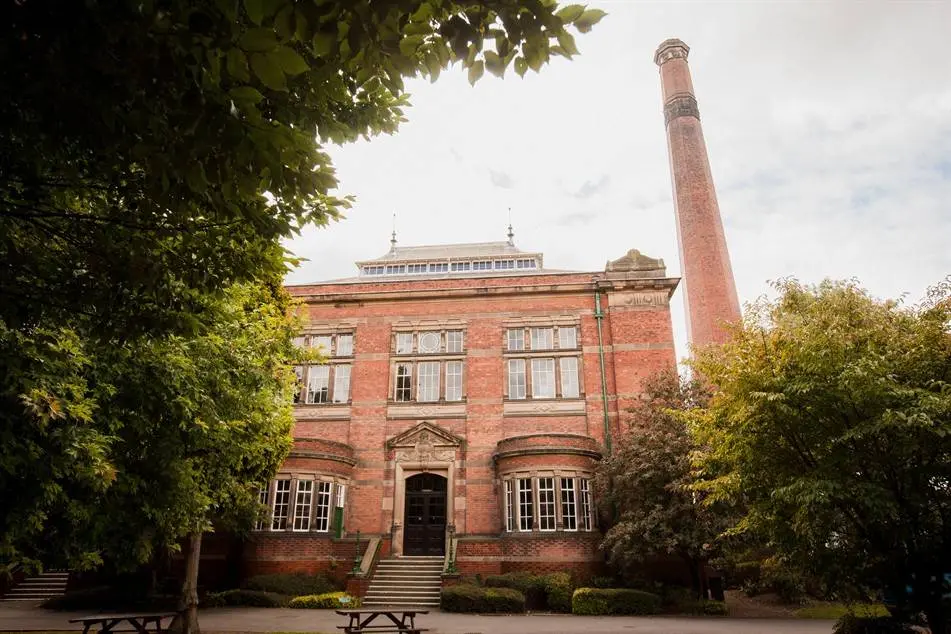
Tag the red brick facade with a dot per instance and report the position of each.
(710, 292)
(482, 434)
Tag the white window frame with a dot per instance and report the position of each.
(322, 343)
(264, 494)
(569, 505)
(341, 393)
(344, 351)
(518, 390)
(546, 503)
(404, 343)
(321, 373)
(300, 393)
(570, 377)
(303, 498)
(543, 338)
(281, 504)
(543, 368)
(341, 495)
(427, 381)
(454, 370)
(526, 501)
(406, 389)
(510, 511)
(515, 339)
(322, 511)
(566, 342)
(454, 341)
(428, 336)
(585, 507)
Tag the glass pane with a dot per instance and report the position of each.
(404, 382)
(318, 384)
(344, 345)
(517, 378)
(567, 337)
(341, 383)
(428, 381)
(454, 341)
(516, 339)
(542, 338)
(404, 343)
(569, 377)
(543, 378)
(321, 343)
(454, 380)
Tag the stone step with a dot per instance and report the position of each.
(431, 570)
(402, 604)
(403, 583)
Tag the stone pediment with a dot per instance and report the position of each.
(635, 261)
(425, 435)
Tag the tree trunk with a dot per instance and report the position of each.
(188, 606)
(704, 581)
(695, 583)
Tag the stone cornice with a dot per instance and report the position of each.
(320, 455)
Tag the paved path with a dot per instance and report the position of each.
(24, 617)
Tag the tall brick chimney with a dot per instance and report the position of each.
(705, 262)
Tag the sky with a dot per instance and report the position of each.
(828, 127)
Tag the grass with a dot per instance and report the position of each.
(837, 610)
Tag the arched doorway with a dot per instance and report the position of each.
(425, 522)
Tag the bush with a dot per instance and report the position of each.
(603, 582)
(328, 600)
(702, 607)
(471, 598)
(249, 598)
(292, 585)
(594, 601)
(851, 624)
(558, 591)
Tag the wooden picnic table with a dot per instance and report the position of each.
(400, 621)
(139, 621)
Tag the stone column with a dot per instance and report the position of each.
(710, 291)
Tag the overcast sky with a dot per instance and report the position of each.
(828, 126)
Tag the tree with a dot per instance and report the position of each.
(831, 418)
(648, 480)
(155, 151)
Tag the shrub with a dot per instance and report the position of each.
(603, 582)
(249, 598)
(851, 624)
(110, 598)
(327, 600)
(292, 585)
(595, 601)
(470, 598)
(558, 591)
(701, 607)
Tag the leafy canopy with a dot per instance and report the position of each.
(649, 481)
(831, 419)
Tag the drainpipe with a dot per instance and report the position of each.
(598, 316)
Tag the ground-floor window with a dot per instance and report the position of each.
(304, 504)
(547, 503)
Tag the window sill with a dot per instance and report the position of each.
(322, 411)
(437, 409)
(544, 407)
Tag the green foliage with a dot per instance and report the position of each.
(470, 598)
(595, 601)
(327, 600)
(851, 624)
(293, 585)
(246, 598)
(831, 423)
(648, 482)
(838, 610)
(603, 582)
(787, 584)
(558, 590)
(701, 607)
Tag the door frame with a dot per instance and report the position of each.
(441, 493)
(403, 471)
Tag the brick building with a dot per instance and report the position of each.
(468, 393)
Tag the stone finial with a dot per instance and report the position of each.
(671, 49)
(634, 260)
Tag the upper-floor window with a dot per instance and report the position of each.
(461, 266)
(328, 382)
(438, 267)
(416, 378)
(328, 345)
(539, 376)
(482, 266)
(526, 264)
(504, 264)
(415, 268)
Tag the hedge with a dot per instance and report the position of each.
(471, 598)
(550, 591)
(594, 601)
(325, 601)
(851, 624)
(111, 598)
(249, 598)
(292, 585)
(701, 606)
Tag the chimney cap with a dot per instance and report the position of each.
(670, 49)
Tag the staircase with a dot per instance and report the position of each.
(406, 582)
(44, 586)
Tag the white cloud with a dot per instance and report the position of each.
(828, 127)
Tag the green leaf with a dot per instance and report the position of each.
(570, 13)
(476, 71)
(237, 64)
(588, 19)
(289, 60)
(408, 45)
(257, 40)
(284, 23)
(267, 70)
(535, 56)
(255, 10)
(521, 66)
(324, 43)
(423, 14)
(494, 63)
(246, 94)
(567, 41)
(195, 177)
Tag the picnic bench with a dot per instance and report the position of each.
(396, 621)
(140, 622)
